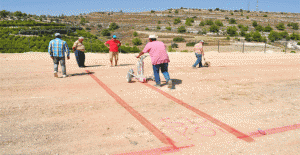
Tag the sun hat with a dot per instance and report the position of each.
(153, 36)
(80, 38)
(114, 36)
(202, 41)
(57, 34)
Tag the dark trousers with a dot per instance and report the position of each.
(199, 60)
(80, 58)
(164, 70)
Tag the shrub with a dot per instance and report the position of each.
(146, 28)
(247, 17)
(295, 26)
(113, 26)
(190, 44)
(217, 9)
(169, 28)
(178, 39)
(231, 13)
(184, 51)
(257, 37)
(135, 34)
(176, 11)
(226, 18)
(259, 28)
(254, 23)
(170, 49)
(152, 11)
(157, 27)
(228, 38)
(268, 28)
(231, 30)
(240, 26)
(202, 23)
(273, 36)
(242, 33)
(293, 52)
(174, 45)
(298, 43)
(105, 32)
(209, 22)
(181, 29)
(159, 22)
(265, 15)
(177, 20)
(280, 26)
(248, 37)
(218, 23)
(232, 21)
(245, 28)
(214, 28)
(137, 41)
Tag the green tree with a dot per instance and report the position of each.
(295, 26)
(257, 36)
(232, 31)
(273, 36)
(113, 26)
(242, 33)
(157, 27)
(209, 22)
(159, 22)
(105, 32)
(268, 28)
(280, 26)
(181, 29)
(254, 23)
(137, 41)
(202, 23)
(178, 39)
(295, 36)
(177, 20)
(232, 21)
(214, 28)
(218, 23)
(4, 13)
(259, 28)
(169, 28)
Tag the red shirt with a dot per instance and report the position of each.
(113, 45)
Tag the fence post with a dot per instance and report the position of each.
(91, 45)
(243, 45)
(265, 46)
(219, 46)
(285, 46)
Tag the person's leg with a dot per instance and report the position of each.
(63, 65)
(164, 70)
(197, 61)
(156, 74)
(83, 59)
(111, 58)
(55, 61)
(200, 63)
(77, 57)
(116, 58)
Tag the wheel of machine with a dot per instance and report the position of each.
(129, 75)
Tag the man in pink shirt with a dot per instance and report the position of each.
(159, 58)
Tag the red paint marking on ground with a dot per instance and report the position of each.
(157, 151)
(160, 135)
(226, 127)
(275, 130)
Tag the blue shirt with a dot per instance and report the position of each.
(58, 47)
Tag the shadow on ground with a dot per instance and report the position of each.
(175, 82)
(94, 66)
(80, 74)
(125, 64)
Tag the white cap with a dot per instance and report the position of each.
(202, 41)
(153, 36)
(57, 34)
(80, 38)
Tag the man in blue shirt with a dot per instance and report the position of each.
(57, 48)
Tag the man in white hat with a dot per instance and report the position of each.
(198, 49)
(159, 58)
(57, 48)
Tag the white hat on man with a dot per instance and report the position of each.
(153, 36)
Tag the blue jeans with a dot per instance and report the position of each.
(199, 60)
(164, 70)
(62, 61)
(80, 58)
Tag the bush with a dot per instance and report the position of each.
(214, 28)
(242, 33)
(174, 45)
(268, 28)
(105, 32)
(202, 23)
(240, 26)
(178, 39)
(226, 18)
(231, 30)
(113, 26)
(135, 34)
(247, 17)
(157, 27)
(189, 21)
(265, 15)
(169, 28)
(137, 41)
(298, 43)
(231, 13)
(209, 22)
(295, 26)
(181, 29)
(146, 28)
(177, 20)
(170, 49)
(295, 36)
(293, 52)
(280, 26)
(257, 37)
(152, 11)
(176, 11)
(273, 36)
(228, 38)
(254, 24)
(184, 51)
(259, 28)
(248, 37)
(232, 21)
(218, 23)
(125, 49)
(190, 44)
(159, 22)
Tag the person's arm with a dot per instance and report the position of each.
(50, 50)
(202, 51)
(67, 50)
(106, 44)
(140, 54)
(74, 46)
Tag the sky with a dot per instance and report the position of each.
(75, 7)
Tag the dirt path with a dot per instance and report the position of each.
(98, 113)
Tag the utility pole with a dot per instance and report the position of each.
(249, 6)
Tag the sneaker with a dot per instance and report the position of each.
(170, 84)
(64, 76)
(55, 74)
(157, 85)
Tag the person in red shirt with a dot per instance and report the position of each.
(114, 45)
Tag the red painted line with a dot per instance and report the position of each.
(226, 127)
(157, 151)
(155, 131)
(275, 130)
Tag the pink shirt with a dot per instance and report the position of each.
(157, 52)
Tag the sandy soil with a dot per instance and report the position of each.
(41, 114)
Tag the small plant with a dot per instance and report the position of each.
(247, 17)
(159, 22)
(146, 28)
(202, 23)
(228, 38)
(265, 15)
(232, 21)
(254, 23)
(126, 44)
(135, 34)
(176, 11)
(132, 27)
(242, 14)
(137, 41)
(231, 13)
(105, 32)
(177, 20)
(170, 49)
(190, 44)
(298, 43)
(174, 45)
(293, 52)
(158, 28)
(184, 51)
(226, 18)
(280, 26)
(169, 28)
(181, 29)
(152, 11)
(178, 39)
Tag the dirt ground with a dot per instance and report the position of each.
(214, 110)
